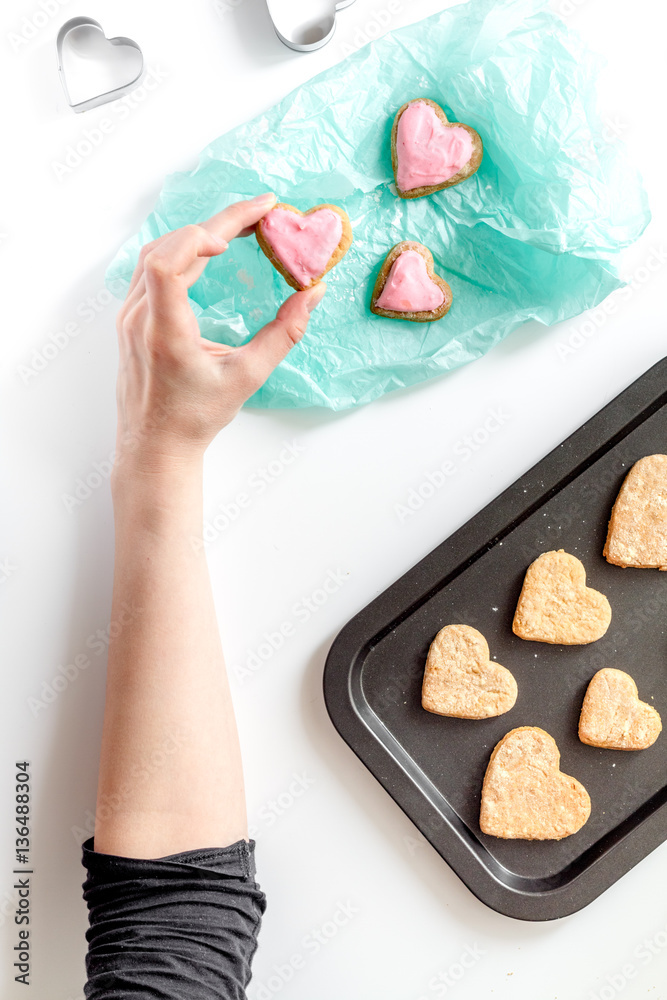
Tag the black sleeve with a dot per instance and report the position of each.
(182, 927)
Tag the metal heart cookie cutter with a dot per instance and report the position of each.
(305, 35)
(83, 39)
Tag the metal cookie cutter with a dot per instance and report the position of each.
(300, 34)
(110, 95)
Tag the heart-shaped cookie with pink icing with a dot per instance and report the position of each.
(303, 246)
(407, 287)
(429, 153)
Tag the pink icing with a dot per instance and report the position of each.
(428, 152)
(409, 287)
(303, 243)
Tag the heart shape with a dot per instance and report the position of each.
(407, 286)
(95, 69)
(613, 717)
(461, 681)
(303, 246)
(556, 606)
(637, 533)
(525, 795)
(429, 153)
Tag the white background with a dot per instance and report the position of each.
(343, 841)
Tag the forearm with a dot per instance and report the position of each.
(170, 769)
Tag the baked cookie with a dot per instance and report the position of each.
(637, 533)
(428, 153)
(525, 795)
(613, 717)
(303, 246)
(556, 606)
(461, 681)
(408, 288)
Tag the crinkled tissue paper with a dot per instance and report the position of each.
(532, 235)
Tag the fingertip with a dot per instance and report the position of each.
(315, 294)
(241, 217)
(266, 200)
(304, 301)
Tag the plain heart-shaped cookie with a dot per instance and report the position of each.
(525, 795)
(613, 717)
(556, 606)
(407, 286)
(637, 534)
(303, 246)
(428, 153)
(461, 681)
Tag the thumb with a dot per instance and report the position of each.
(258, 358)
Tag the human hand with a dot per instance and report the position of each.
(176, 389)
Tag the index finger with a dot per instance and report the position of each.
(167, 268)
(240, 218)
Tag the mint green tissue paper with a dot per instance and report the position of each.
(532, 235)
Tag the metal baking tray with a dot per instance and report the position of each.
(432, 766)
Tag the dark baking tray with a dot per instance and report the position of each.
(433, 766)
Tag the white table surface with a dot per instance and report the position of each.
(339, 850)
